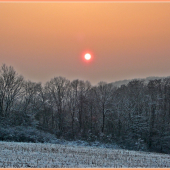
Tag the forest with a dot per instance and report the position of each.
(136, 116)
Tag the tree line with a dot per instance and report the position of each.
(135, 116)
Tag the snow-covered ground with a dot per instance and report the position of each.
(36, 155)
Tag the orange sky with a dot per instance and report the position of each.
(128, 40)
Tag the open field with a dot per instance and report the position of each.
(37, 155)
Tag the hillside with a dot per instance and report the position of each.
(125, 82)
(36, 155)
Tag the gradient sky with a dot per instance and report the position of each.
(127, 40)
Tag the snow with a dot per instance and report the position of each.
(37, 155)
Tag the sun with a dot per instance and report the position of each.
(87, 56)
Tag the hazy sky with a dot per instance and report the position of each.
(127, 40)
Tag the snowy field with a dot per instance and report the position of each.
(16, 155)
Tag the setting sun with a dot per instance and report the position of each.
(87, 56)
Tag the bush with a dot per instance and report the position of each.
(25, 134)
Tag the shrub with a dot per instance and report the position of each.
(25, 134)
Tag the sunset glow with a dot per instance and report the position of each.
(42, 40)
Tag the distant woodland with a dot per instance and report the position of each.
(135, 116)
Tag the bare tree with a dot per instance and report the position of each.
(83, 88)
(58, 88)
(103, 96)
(30, 94)
(45, 113)
(10, 89)
(73, 102)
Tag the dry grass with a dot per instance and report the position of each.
(60, 156)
